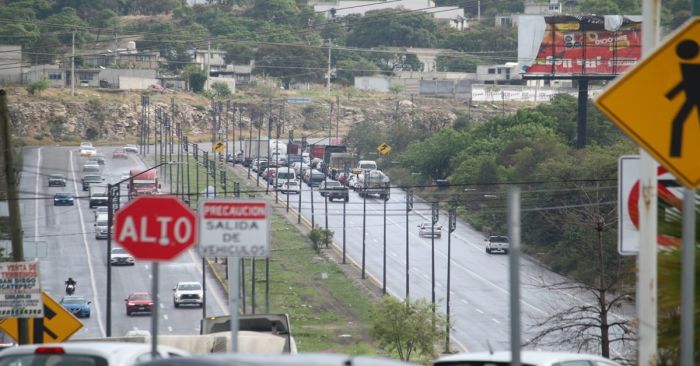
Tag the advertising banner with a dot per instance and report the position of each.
(566, 45)
(20, 290)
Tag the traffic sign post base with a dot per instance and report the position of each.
(234, 271)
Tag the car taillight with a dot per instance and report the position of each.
(50, 350)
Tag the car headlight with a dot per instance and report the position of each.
(130, 303)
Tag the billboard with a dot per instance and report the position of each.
(566, 45)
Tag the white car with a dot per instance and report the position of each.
(290, 186)
(529, 358)
(120, 257)
(85, 144)
(85, 353)
(425, 229)
(101, 210)
(188, 293)
(91, 168)
(131, 148)
(88, 151)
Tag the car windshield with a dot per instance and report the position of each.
(139, 297)
(499, 239)
(368, 166)
(62, 195)
(332, 184)
(56, 176)
(189, 287)
(92, 178)
(119, 251)
(285, 175)
(291, 183)
(74, 300)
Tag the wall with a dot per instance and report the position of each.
(136, 83)
(112, 76)
(11, 59)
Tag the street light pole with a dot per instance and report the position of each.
(112, 191)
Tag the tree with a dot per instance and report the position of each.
(365, 137)
(347, 70)
(457, 63)
(276, 11)
(239, 54)
(220, 90)
(392, 28)
(407, 327)
(290, 63)
(433, 157)
(195, 78)
(67, 19)
(604, 279)
(38, 86)
(396, 61)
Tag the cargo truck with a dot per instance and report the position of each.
(373, 183)
(143, 183)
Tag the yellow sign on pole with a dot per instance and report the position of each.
(384, 149)
(657, 103)
(219, 147)
(57, 325)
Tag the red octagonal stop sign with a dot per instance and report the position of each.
(155, 228)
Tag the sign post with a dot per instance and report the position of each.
(155, 228)
(57, 324)
(234, 229)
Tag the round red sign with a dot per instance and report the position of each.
(156, 228)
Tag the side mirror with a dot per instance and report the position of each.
(174, 289)
(94, 224)
(158, 186)
(89, 302)
(126, 299)
(127, 186)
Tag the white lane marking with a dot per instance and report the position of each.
(150, 277)
(161, 305)
(452, 293)
(165, 316)
(217, 298)
(170, 329)
(478, 310)
(87, 248)
(495, 321)
(145, 266)
(36, 193)
(464, 301)
(394, 254)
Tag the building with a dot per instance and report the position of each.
(243, 74)
(532, 7)
(498, 74)
(55, 74)
(333, 9)
(11, 60)
(125, 58)
(215, 59)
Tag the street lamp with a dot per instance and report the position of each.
(112, 191)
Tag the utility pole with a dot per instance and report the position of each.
(384, 253)
(16, 232)
(364, 217)
(452, 226)
(328, 79)
(72, 65)
(409, 207)
(436, 217)
(337, 115)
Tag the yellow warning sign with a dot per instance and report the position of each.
(384, 149)
(657, 103)
(219, 147)
(57, 325)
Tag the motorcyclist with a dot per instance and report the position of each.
(70, 286)
(71, 281)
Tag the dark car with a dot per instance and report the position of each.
(333, 190)
(91, 179)
(139, 302)
(63, 199)
(57, 180)
(314, 178)
(78, 305)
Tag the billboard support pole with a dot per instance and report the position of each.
(582, 114)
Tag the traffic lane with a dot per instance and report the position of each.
(185, 267)
(58, 226)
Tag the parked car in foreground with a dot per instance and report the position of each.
(139, 302)
(57, 180)
(425, 229)
(78, 305)
(262, 359)
(63, 199)
(497, 243)
(85, 353)
(527, 358)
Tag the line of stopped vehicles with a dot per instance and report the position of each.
(93, 181)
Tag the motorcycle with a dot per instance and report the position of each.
(70, 289)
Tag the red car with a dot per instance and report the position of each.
(120, 154)
(139, 302)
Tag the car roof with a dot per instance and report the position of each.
(259, 359)
(102, 216)
(539, 358)
(189, 283)
(57, 175)
(139, 293)
(62, 194)
(117, 353)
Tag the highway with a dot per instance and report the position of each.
(74, 251)
(480, 294)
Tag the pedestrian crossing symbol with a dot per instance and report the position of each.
(219, 147)
(657, 103)
(384, 149)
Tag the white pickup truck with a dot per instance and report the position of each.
(497, 243)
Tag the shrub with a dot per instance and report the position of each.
(38, 86)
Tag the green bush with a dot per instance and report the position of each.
(38, 86)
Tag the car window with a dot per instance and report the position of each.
(189, 287)
(73, 300)
(52, 360)
(119, 251)
(573, 363)
(499, 239)
(139, 297)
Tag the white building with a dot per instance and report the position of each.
(340, 8)
(11, 60)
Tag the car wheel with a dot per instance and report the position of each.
(505, 251)
(88, 315)
(488, 251)
(347, 199)
(128, 313)
(176, 304)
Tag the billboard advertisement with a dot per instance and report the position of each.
(565, 45)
